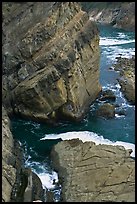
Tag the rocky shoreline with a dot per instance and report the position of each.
(94, 173)
(126, 68)
(51, 71)
(50, 56)
(117, 14)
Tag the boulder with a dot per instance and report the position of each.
(94, 173)
(128, 88)
(106, 110)
(107, 95)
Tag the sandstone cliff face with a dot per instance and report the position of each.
(118, 14)
(8, 159)
(50, 59)
(16, 185)
(94, 173)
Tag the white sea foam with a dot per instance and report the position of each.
(47, 179)
(119, 116)
(114, 51)
(46, 175)
(112, 47)
(113, 41)
(89, 136)
(122, 35)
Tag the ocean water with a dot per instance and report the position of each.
(37, 139)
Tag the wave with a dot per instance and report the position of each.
(116, 89)
(119, 116)
(122, 35)
(48, 180)
(111, 41)
(48, 177)
(111, 52)
(90, 136)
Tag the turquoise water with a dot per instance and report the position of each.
(121, 128)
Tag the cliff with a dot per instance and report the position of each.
(19, 184)
(50, 60)
(8, 159)
(117, 14)
(94, 173)
(50, 70)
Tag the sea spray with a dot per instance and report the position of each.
(90, 136)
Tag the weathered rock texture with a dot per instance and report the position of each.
(126, 67)
(18, 183)
(118, 14)
(50, 59)
(106, 110)
(8, 159)
(94, 173)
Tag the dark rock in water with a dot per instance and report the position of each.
(106, 110)
(94, 173)
(107, 95)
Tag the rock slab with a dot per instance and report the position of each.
(94, 173)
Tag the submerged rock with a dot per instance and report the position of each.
(94, 173)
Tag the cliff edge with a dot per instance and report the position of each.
(50, 60)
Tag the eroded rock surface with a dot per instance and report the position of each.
(94, 173)
(126, 67)
(107, 110)
(8, 159)
(50, 59)
(18, 183)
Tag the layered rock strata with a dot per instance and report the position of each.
(50, 60)
(94, 173)
(19, 184)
